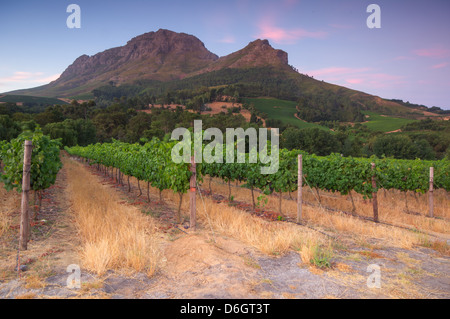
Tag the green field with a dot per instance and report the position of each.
(378, 122)
(31, 99)
(281, 110)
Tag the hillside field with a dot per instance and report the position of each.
(383, 123)
(281, 110)
(30, 99)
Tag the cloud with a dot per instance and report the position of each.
(432, 52)
(354, 81)
(228, 39)
(440, 66)
(286, 36)
(361, 77)
(22, 80)
(336, 71)
(29, 77)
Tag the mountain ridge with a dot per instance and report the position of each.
(167, 56)
(163, 55)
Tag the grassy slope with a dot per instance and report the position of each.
(281, 110)
(377, 122)
(30, 99)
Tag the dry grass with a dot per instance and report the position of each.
(391, 210)
(113, 236)
(5, 221)
(271, 238)
(9, 202)
(33, 281)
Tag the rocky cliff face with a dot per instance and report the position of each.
(256, 54)
(163, 55)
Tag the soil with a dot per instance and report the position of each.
(202, 264)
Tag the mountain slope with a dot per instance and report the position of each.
(181, 61)
(163, 55)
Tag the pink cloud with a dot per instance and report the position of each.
(433, 52)
(440, 66)
(28, 77)
(336, 71)
(360, 77)
(286, 36)
(354, 81)
(228, 39)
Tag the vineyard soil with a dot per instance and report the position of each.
(210, 263)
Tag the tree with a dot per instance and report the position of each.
(9, 129)
(401, 147)
(137, 126)
(311, 140)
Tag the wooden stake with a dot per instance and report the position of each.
(299, 188)
(374, 196)
(193, 188)
(279, 204)
(24, 217)
(430, 192)
(140, 191)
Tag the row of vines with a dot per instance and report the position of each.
(152, 163)
(45, 161)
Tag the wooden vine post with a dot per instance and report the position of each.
(430, 192)
(192, 195)
(374, 195)
(24, 217)
(299, 188)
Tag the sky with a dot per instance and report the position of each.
(407, 58)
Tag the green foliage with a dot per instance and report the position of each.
(329, 106)
(314, 141)
(401, 147)
(26, 99)
(45, 161)
(321, 257)
(72, 132)
(383, 123)
(281, 110)
(427, 125)
(152, 163)
(8, 128)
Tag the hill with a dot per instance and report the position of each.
(165, 62)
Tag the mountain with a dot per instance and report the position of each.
(258, 53)
(163, 55)
(166, 61)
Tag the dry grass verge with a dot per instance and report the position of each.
(272, 238)
(113, 236)
(9, 203)
(391, 210)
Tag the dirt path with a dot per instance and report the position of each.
(209, 265)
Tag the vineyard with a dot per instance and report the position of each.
(152, 163)
(235, 201)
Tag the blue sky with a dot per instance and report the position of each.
(407, 58)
